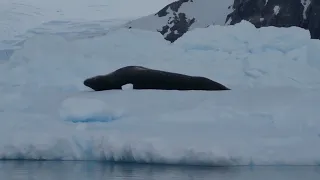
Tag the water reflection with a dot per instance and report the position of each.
(50, 170)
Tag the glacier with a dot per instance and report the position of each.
(270, 117)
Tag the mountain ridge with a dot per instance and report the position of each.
(181, 16)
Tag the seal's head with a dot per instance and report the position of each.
(100, 83)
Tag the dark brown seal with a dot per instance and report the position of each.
(145, 78)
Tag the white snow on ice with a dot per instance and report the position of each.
(270, 117)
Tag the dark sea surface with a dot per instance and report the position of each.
(60, 170)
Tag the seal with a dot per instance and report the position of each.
(145, 78)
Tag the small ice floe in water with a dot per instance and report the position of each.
(87, 110)
(127, 87)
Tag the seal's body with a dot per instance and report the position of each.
(145, 78)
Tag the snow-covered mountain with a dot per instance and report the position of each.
(181, 16)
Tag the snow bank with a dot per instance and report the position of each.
(237, 56)
(268, 118)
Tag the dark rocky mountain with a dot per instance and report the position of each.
(180, 22)
(314, 19)
(181, 16)
(279, 13)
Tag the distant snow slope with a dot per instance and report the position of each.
(21, 15)
(176, 18)
(270, 117)
(18, 17)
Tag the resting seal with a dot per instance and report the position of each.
(145, 78)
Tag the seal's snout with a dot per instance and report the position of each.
(94, 83)
(86, 82)
(89, 83)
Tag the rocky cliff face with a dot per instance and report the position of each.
(280, 13)
(314, 19)
(183, 15)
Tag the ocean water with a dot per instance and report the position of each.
(80, 170)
